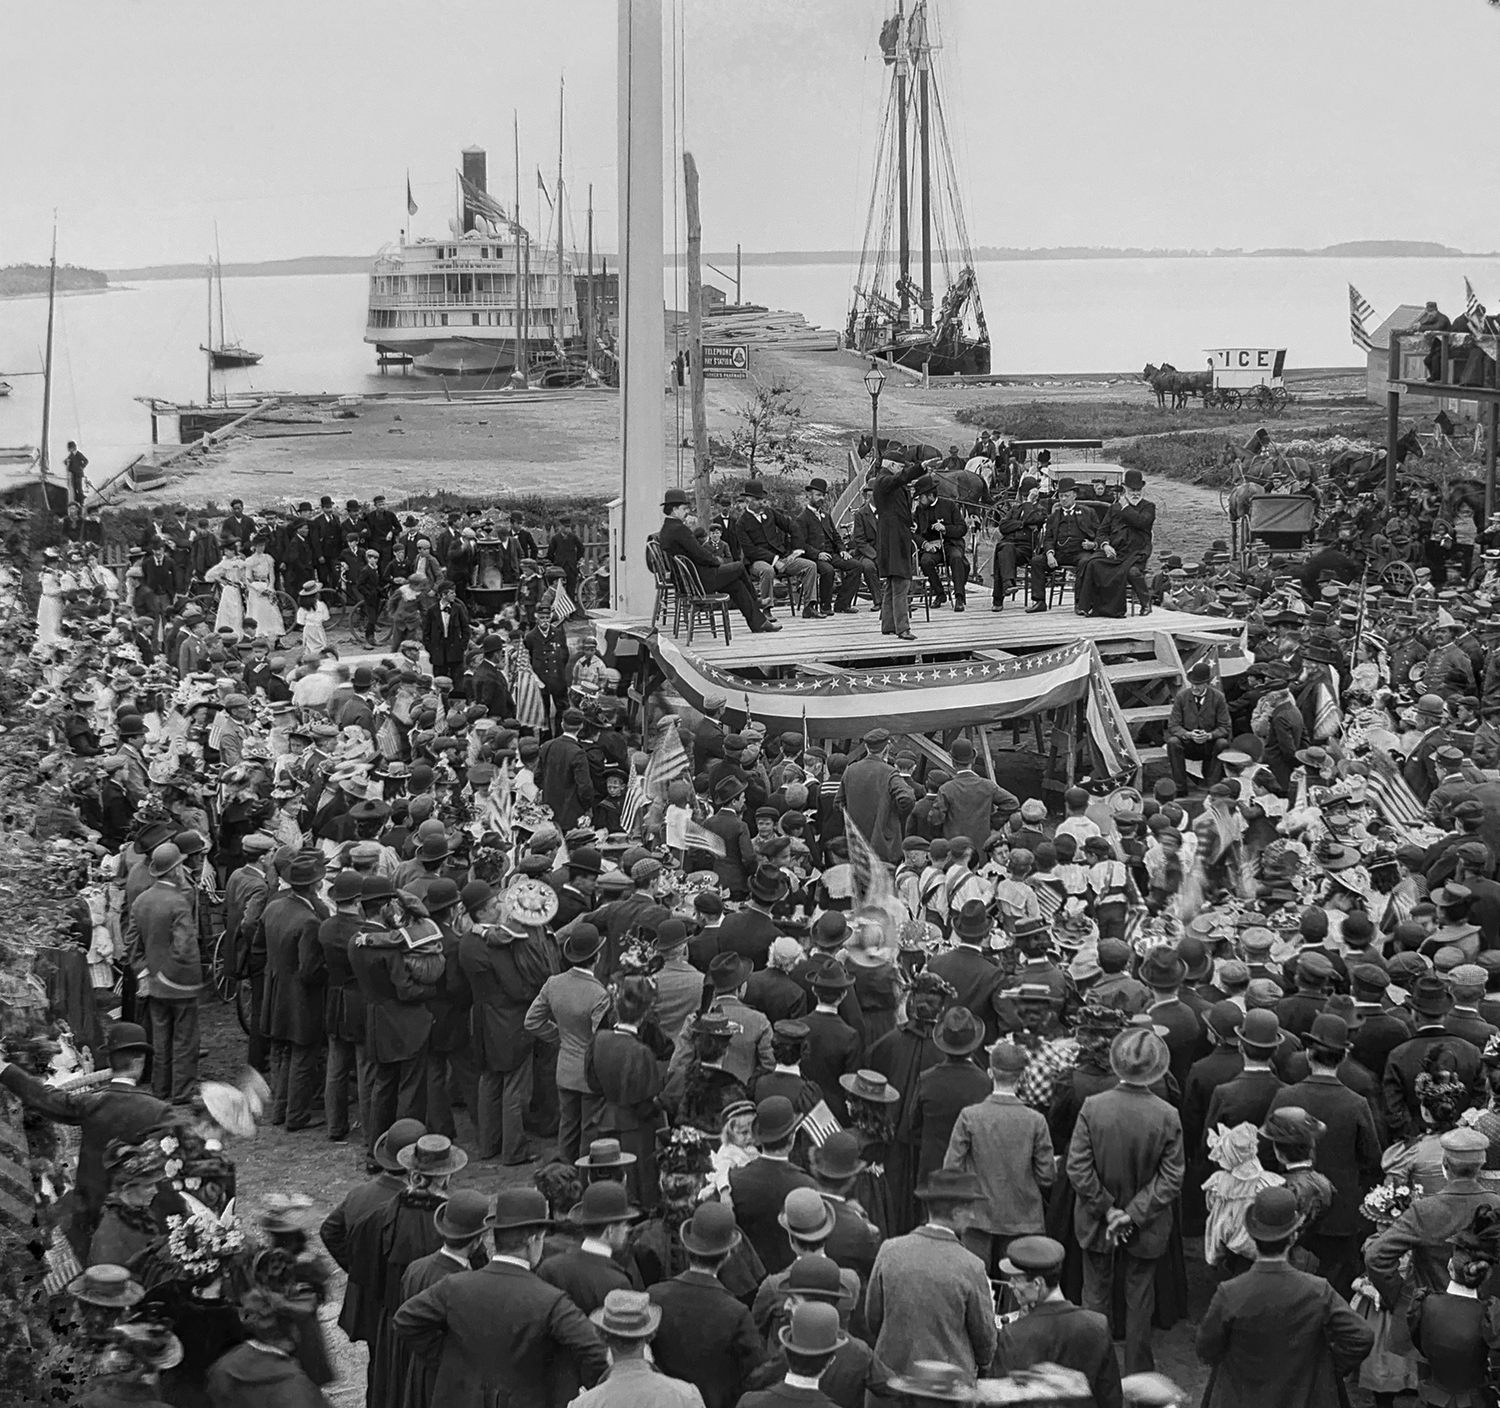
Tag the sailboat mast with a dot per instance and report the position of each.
(208, 351)
(520, 367)
(903, 197)
(924, 65)
(219, 268)
(558, 326)
(588, 315)
(46, 457)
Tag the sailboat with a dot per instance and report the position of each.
(895, 316)
(223, 353)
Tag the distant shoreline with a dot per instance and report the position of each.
(360, 263)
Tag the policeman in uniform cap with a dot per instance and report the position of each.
(1049, 1328)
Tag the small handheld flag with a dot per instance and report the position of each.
(1359, 310)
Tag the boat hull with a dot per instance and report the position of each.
(964, 359)
(224, 358)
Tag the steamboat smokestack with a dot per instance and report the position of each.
(474, 174)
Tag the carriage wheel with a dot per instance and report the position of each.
(1281, 396)
(1263, 397)
(1210, 399)
(1230, 399)
(1400, 577)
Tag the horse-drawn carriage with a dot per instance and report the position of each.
(1247, 375)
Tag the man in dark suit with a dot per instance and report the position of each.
(1163, 971)
(751, 931)
(1431, 1001)
(877, 797)
(446, 634)
(497, 1333)
(818, 535)
(810, 1342)
(941, 531)
(1285, 729)
(1222, 1023)
(707, 1337)
(589, 1272)
(773, 991)
(1069, 535)
(162, 581)
(1275, 1334)
(759, 1188)
(708, 737)
(361, 1308)
(1380, 1030)
(678, 540)
(1198, 727)
(854, 1239)
(1348, 1154)
(295, 992)
(864, 535)
(834, 1047)
(1050, 1328)
(1248, 1094)
(975, 978)
(767, 545)
(953, 1084)
(325, 536)
(562, 773)
(119, 1110)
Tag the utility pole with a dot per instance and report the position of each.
(702, 469)
(589, 284)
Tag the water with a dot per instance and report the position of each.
(1044, 316)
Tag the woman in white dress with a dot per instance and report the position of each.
(49, 607)
(230, 573)
(260, 590)
(312, 617)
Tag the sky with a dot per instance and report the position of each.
(1157, 123)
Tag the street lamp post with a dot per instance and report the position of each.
(874, 381)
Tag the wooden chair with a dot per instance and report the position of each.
(693, 601)
(666, 584)
(1059, 579)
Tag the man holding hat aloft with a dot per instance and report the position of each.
(627, 1322)
(1276, 1335)
(1125, 1163)
(498, 1333)
(891, 488)
(1006, 1146)
(678, 540)
(118, 1110)
(1050, 1329)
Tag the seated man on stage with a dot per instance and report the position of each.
(765, 541)
(1198, 728)
(1124, 547)
(815, 532)
(1067, 539)
(863, 537)
(941, 530)
(678, 540)
(1015, 546)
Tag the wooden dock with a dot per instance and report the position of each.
(815, 646)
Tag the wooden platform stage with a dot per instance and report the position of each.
(824, 645)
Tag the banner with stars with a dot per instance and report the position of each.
(906, 698)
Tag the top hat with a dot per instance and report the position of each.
(463, 1216)
(629, 1315)
(712, 1231)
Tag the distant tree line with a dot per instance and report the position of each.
(17, 280)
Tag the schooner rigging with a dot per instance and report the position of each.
(893, 316)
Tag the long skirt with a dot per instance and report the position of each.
(1104, 584)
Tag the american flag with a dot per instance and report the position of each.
(1474, 309)
(821, 1124)
(1326, 715)
(668, 760)
(872, 877)
(531, 707)
(699, 838)
(1049, 898)
(478, 202)
(1393, 797)
(562, 603)
(633, 808)
(1359, 310)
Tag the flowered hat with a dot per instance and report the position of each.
(532, 903)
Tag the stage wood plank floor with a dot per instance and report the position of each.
(852, 640)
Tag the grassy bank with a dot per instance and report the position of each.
(1104, 420)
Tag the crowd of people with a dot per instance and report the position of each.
(817, 1071)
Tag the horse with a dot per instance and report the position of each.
(1366, 468)
(902, 451)
(1465, 494)
(1163, 381)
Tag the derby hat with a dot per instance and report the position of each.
(838, 1157)
(1273, 1217)
(347, 885)
(769, 884)
(1008, 1059)
(712, 1232)
(958, 1032)
(629, 1315)
(1329, 1032)
(1430, 995)
(728, 970)
(829, 930)
(605, 1153)
(604, 1203)
(126, 1036)
(813, 1329)
(387, 1151)
(432, 1155)
(973, 921)
(1163, 968)
(676, 498)
(518, 1207)
(807, 1215)
(1291, 1124)
(775, 1119)
(463, 1216)
(164, 859)
(828, 974)
(582, 941)
(815, 1277)
(441, 894)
